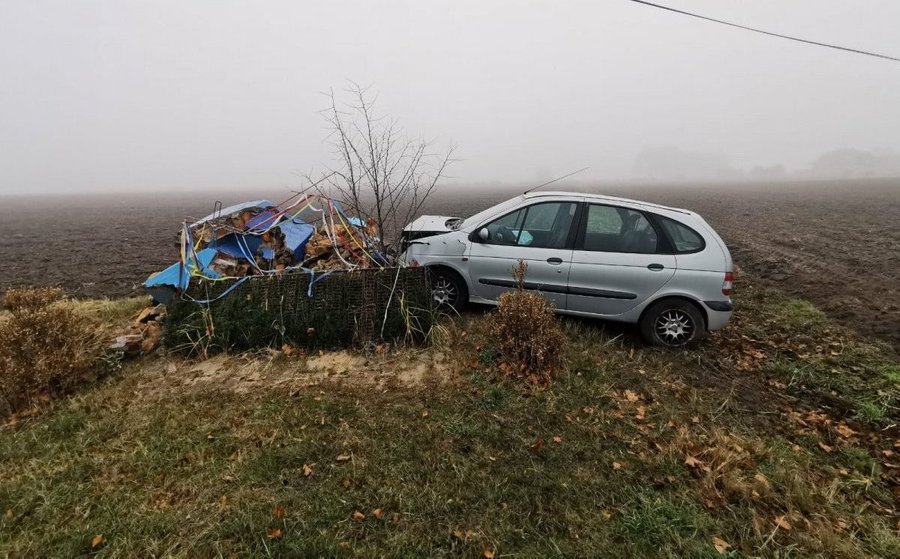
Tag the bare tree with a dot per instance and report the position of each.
(379, 172)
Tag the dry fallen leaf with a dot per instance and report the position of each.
(307, 470)
(358, 516)
(783, 523)
(557, 439)
(537, 444)
(720, 545)
(378, 513)
(887, 453)
(274, 533)
(488, 554)
(279, 511)
(631, 396)
(641, 411)
(693, 462)
(825, 447)
(97, 540)
(342, 457)
(845, 431)
(616, 466)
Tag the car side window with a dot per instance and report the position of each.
(684, 238)
(503, 231)
(544, 225)
(615, 229)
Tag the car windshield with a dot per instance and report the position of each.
(485, 214)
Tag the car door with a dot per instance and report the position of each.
(541, 234)
(617, 261)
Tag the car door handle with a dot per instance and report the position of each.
(555, 261)
(656, 267)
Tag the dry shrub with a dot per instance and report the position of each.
(524, 333)
(18, 300)
(46, 348)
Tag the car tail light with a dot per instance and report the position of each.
(728, 284)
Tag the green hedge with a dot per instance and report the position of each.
(347, 308)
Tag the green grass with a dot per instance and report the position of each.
(871, 411)
(594, 466)
(114, 311)
(797, 314)
(817, 358)
(891, 373)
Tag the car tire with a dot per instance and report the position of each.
(448, 290)
(672, 323)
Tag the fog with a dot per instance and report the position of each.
(125, 96)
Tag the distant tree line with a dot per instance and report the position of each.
(671, 163)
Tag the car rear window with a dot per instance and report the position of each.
(683, 238)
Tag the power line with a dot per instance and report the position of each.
(799, 40)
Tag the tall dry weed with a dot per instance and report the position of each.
(46, 348)
(525, 334)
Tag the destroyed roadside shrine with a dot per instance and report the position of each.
(300, 273)
(305, 233)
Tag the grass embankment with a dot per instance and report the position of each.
(774, 438)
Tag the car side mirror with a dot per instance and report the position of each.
(484, 234)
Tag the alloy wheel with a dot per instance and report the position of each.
(444, 291)
(674, 327)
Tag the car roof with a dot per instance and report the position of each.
(603, 198)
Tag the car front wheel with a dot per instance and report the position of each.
(672, 323)
(448, 289)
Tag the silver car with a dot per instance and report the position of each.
(662, 268)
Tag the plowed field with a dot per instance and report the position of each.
(834, 243)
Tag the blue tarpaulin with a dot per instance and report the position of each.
(296, 234)
(262, 221)
(162, 285)
(237, 245)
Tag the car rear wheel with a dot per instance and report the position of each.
(672, 323)
(448, 289)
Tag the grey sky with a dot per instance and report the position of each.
(122, 95)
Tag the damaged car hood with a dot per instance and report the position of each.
(433, 224)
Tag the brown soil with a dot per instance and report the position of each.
(834, 243)
(256, 373)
